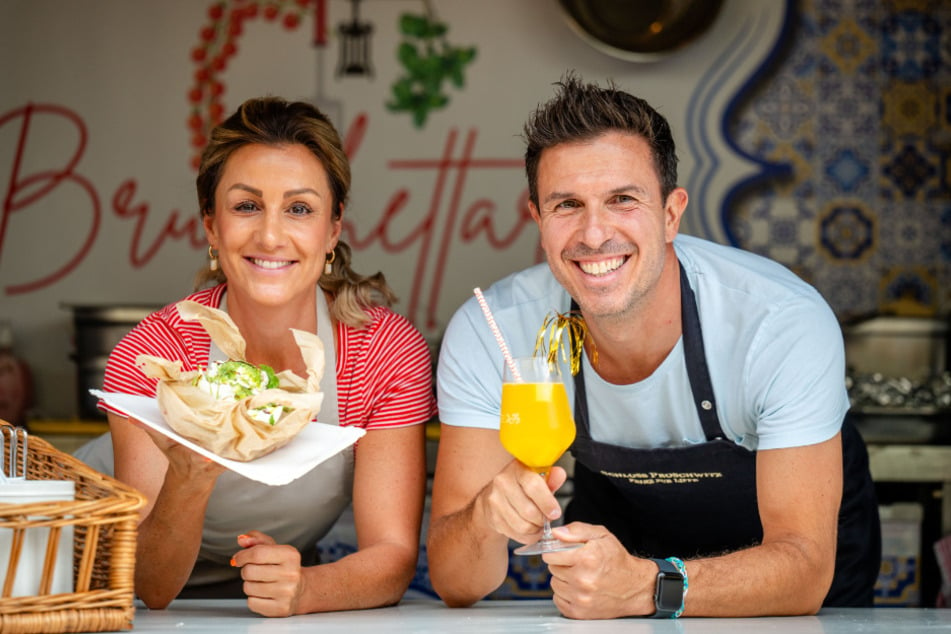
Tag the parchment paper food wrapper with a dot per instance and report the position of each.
(226, 427)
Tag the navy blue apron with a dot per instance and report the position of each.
(700, 500)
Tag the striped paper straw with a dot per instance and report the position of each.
(498, 334)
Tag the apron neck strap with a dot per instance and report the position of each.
(696, 358)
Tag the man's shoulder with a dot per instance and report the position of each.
(727, 269)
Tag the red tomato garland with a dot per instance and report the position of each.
(218, 43)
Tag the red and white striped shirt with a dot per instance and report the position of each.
(384, 371)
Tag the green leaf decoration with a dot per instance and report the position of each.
(429, 61)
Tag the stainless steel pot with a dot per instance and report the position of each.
(96, 331)
(898, 379)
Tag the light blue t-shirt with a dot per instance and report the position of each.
(773, 347)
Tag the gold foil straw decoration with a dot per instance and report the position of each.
(556, 327)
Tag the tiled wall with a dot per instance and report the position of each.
(858, 105)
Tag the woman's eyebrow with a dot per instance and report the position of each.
(302, 190)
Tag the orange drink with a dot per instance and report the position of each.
(536, 426)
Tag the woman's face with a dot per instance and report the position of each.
(273, 224)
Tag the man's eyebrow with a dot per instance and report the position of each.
(556, 196)
(637, 189)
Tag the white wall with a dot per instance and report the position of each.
(119, 71)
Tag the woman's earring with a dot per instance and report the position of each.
(328, 265)
(212, 258)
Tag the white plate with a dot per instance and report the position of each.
(314, 444)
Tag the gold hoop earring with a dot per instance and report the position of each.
(212, 258)
(328, 265)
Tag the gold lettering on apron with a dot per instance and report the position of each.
(652, 477)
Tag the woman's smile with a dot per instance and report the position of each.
(271, 264)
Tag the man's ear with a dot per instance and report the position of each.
(674, 209)
(536, 216)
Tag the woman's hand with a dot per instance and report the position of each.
(181, 458)
(271, 573)
(177, 483)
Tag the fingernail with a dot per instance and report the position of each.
(233, 562)
(242, 536)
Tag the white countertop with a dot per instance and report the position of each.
(423, 616)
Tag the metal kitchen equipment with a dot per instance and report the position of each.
(14, 444)
(898, 378)
(912, 347)
(96, 331)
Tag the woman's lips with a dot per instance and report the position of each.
(271, 264)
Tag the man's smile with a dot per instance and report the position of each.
(602, 267)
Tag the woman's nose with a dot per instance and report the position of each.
(270, 230)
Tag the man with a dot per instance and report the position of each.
(711, 457)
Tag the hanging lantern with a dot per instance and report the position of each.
(354, 44)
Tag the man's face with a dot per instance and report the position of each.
(605, 227)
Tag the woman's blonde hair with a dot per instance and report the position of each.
(274, 121)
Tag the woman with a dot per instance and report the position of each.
(272, 187)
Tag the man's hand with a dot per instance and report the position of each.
(599, 580)
(517, 500)
(271, 573)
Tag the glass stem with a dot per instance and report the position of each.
(546, 532)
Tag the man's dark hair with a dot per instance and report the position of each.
(581, 111)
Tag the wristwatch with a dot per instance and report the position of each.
(669, 591)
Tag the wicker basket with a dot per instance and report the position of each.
(104, 517)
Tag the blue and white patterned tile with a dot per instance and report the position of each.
(910, 171)
(909, 290)
(871, 171)
(848, 231)
(911, 45)
(848, 107)
(907, 231)
(851, 290)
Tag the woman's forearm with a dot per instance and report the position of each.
(373, 577)
(170, 537)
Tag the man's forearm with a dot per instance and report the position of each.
(778, 578)
(467, 558)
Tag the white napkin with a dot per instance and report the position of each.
(314, 444)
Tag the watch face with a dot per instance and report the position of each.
(670, 589)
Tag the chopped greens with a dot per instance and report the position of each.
(237, 380)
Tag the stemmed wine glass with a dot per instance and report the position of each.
(536, 426)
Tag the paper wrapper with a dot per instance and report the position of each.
(226, 427)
